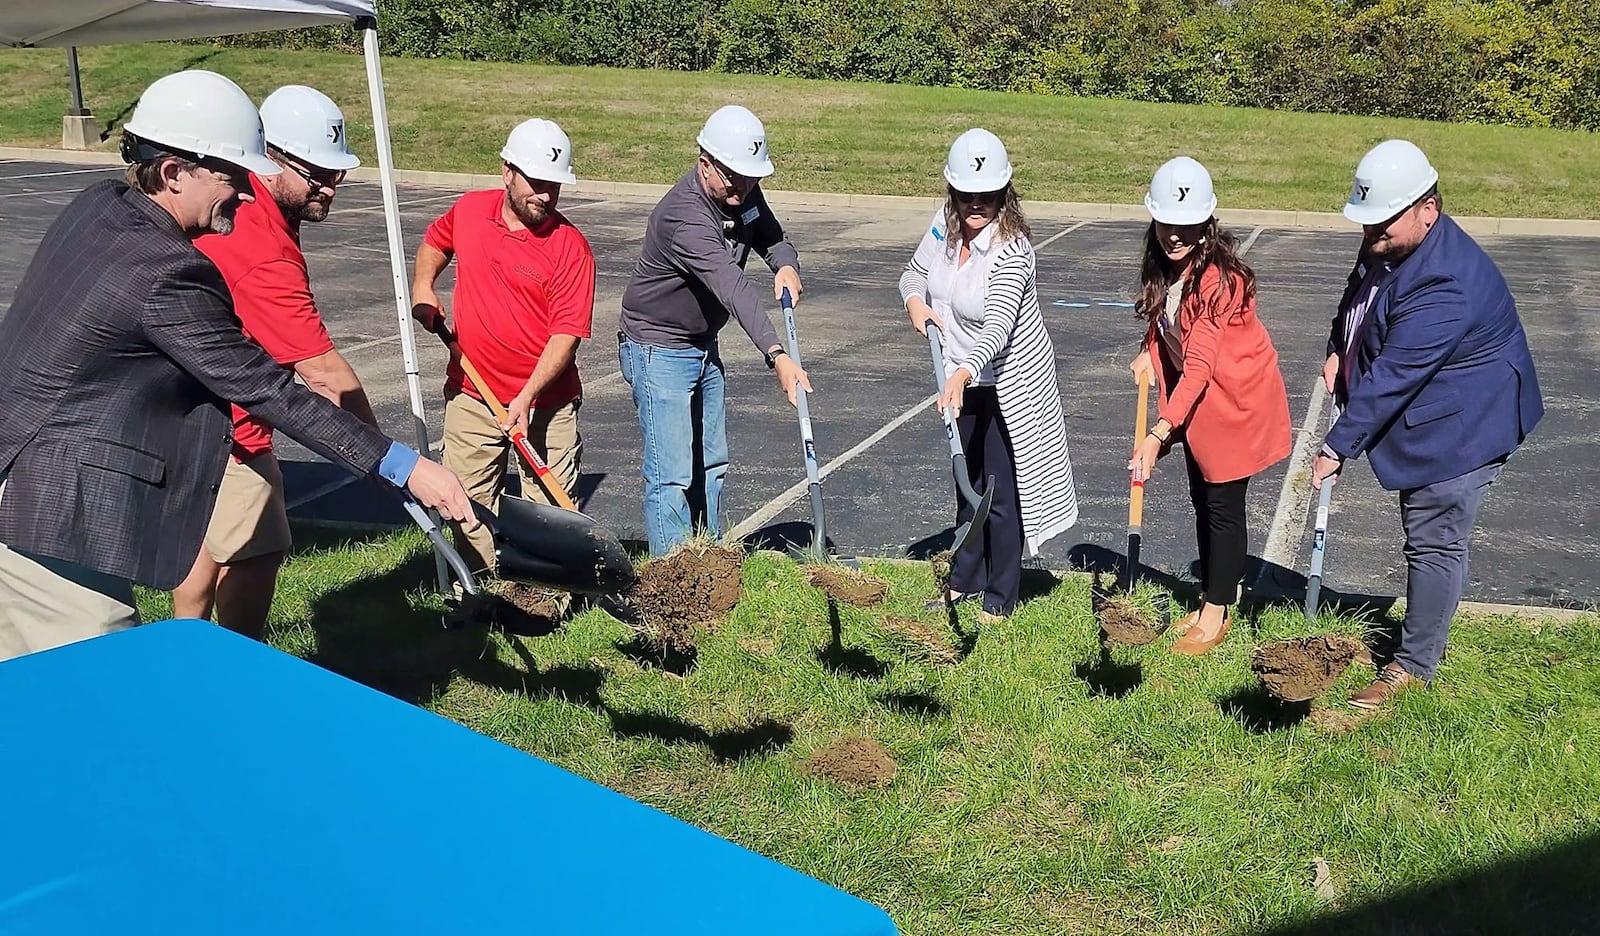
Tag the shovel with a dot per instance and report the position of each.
(560, 547)
(1136, 484)
(818, 551)
(979, 505)
(1319, 539)
(1121, 620)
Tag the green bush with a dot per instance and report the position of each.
(1529, 62)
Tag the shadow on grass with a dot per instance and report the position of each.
(366, 630)
(848, 661)
(1259, 712)
(764, 736)
(1108, 679)
(1550, 890)
(923, 704)
(651, 656)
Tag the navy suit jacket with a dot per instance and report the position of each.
(1443, 381)
(115, 361)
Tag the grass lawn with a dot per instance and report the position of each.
(1040, 789)
(640, 126)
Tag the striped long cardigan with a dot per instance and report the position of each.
(1013, 338)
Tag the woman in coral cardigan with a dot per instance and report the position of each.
(1218, 386)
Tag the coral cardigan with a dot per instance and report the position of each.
(1229, 401)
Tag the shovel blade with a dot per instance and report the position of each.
(559, 548)
(980, 515)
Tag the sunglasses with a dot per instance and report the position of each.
(318, 178)
(979, 198)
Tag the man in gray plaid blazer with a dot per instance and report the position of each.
(117, 361)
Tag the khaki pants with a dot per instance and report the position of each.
(249, 519)
(47, 603)
(477, 451)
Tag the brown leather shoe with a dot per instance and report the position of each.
(1189, 620)
(1392, 680)
(1192, 644)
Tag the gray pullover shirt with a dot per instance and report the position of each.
(690, 273)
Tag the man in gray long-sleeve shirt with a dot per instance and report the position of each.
(689, 277)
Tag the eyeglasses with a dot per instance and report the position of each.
(730, 178)
(318, 179)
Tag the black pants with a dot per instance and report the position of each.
(1220, 531)
(991, 562)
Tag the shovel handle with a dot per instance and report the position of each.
(518, 439)
(1140, 427)
(957, 454)
(457, 564)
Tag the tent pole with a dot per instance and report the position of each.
(397, 253)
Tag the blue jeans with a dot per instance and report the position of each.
(678, 393)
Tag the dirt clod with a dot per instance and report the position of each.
(848, 585)
(520, 608)
(940, 564)
(926, 641)
(857, 762)
(1125, 622)
(1305, 667)
(696, 585)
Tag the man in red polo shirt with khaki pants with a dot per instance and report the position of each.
(237, 568)
(524, 299)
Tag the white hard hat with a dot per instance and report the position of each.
(540, 150)
(736, 138)
(977, 162)
(1181, 193)
(200, 113)
(307, 125)
(1390, 177)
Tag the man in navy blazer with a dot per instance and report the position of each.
(1431, 364)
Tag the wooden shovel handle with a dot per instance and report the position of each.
(1141, 426)
(546, 476)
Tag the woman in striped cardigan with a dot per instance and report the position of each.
(973, 276)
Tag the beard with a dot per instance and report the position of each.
(314, 211)
(222, 219)
(530, 212)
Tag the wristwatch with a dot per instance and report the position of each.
(772, 358)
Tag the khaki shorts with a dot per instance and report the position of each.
(47, 603)
(481, 455)
(249, 519)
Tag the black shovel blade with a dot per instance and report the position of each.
(980, 514)
(558, 548)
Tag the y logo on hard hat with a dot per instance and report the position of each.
(555, 153)
(755, 148)
(977, 163)
(335, 131)
(1183, 193)
(1364, 190)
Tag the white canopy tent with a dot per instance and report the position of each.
(63, 23)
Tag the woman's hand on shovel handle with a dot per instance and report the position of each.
(790, 376)
(1142, 364)
(1143, 463)
(954, 390)
(921, 315)
(434, 485)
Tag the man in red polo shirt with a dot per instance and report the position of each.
(237, 568)
(524, 299)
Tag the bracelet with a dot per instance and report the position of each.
(1161, 438)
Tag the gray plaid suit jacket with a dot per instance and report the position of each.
(116, 359)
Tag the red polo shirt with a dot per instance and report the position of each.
(514, 289)
(266, 272)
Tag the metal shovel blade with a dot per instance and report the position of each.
(559, 548)
(980, 513)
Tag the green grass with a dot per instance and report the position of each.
(1176, 800)
(640, 126)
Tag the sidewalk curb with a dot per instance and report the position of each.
(1082, 211)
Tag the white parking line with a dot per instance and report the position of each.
(1058, 235)
(46, 175)
(1294, 498)
(777, 505)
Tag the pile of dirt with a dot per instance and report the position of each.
(856, 762)
(848, 585)
(1124, 622)
(926, 641)
(1305, 667)
(695, 585)
(519, 608)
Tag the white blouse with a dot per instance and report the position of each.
(957, 291)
